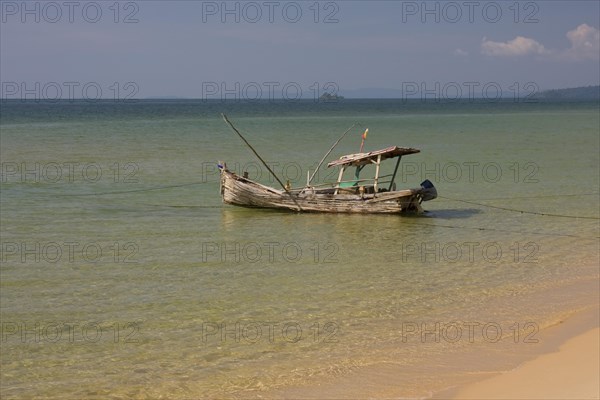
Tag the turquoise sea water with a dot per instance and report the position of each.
(124, 275)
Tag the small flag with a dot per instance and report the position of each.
(362, 142)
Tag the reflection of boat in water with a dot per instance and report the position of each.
(373, 195)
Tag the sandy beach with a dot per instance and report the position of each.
(570, 372)
(566, 365)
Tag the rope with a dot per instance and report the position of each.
(519, 211)
(539, 197)
(135, 190)
(183, 206)
(499, 230)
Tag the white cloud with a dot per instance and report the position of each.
(460, 52)
(519, 46)
(585, 43)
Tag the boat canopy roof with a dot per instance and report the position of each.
(359, 159)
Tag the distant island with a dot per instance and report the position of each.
(330, 97)
(578, 93)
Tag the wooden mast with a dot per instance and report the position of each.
(261, 160)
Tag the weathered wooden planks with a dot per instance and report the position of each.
(240, 191)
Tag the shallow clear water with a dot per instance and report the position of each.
(123, 274)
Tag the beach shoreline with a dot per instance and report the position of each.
(563, 365)
(568, 367)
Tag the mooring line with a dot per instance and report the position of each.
(520, 211)
(134, 190)
(502, 230)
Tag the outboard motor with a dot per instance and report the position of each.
(429, 191)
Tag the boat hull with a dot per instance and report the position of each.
(240, 191)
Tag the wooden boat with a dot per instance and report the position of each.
(373, 195)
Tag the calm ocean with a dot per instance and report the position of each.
(124, 275)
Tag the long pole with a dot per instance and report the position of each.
(330, 150)
(261, 160)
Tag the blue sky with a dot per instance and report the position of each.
(216, 49)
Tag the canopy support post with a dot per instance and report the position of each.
(394, 175)
(377, 173)
(340, 176)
